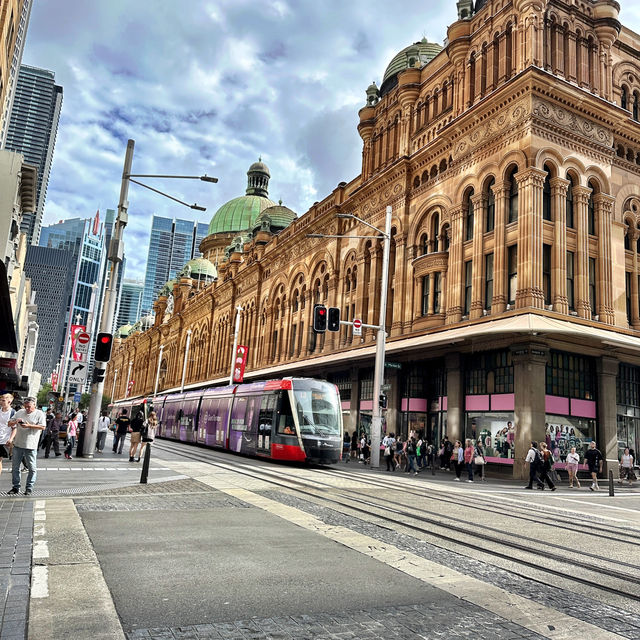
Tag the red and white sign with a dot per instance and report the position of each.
(75, 330)
(240, 362)
(129, 387)
(54, 381)
(357, 327)
(82, 342)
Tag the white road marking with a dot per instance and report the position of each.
(40, 549)
(40, 581)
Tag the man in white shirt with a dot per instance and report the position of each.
(7, 433)
(103, 427)
(29, 422)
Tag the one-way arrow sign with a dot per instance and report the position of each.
(77, 372)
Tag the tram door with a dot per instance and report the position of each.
(266, 422)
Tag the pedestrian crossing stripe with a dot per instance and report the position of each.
(136, 468)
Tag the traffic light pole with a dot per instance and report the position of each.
(116, 250)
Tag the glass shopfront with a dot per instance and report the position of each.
(496, 432)
(423, 404)
(564, 432)
(628, 399)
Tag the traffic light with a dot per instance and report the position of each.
(98, 375)
(383, 401)
(319, 318)
(333, 319)
(103, 347)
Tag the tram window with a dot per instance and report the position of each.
(267, 409)
(286, 426)
(238, 413)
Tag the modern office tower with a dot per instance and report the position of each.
(32, 131)
(172, 244)
(52, 272)
(84, 240)
(130, 308)
(14, 20)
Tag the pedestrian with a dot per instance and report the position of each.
(411, 451)
(421, 452)
(149, 431)
(399, 453)
(626, 466)
(103, 427)
(45, 435)
(469, 454)
(54, 435)
(122, 428)
(479, 460)
(365, 447)
(72, 432)
(354, 444)
(7, 432)
(346, 446)
(448, 452)
(136, 435)
(547, 466)
(389, 444)
(594, 461)
(29, 423)
(573, 460)
(457, 459)
(535, 465)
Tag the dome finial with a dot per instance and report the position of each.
(258, 179)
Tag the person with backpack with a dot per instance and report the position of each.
(535, 465)
(411, 456)
(389, 444)
(547, 466)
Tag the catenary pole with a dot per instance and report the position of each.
(378, 375)
(186, 359)
(155, 387)
(235, 343)
(116, 251)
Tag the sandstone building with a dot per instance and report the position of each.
(511, 159)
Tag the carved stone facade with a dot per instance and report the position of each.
(510, 160)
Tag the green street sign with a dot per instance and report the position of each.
(393, 365)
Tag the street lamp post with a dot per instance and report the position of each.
(155, 387)
(235, 343)
(186, 359)
(126, 391)
(115, 256)
(113, 388)
(378, 376)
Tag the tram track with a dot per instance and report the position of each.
(474, 536)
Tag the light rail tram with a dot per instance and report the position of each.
(294, 419)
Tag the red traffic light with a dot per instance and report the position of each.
(104, 343)
(105, 339)
(322, 311)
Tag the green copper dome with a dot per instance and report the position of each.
(276, 218)
(199, 269)
(423, 51)
(241, 213)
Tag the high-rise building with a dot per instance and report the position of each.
(84, 241)
(173, 243)
(32, 131)
(14, 20)
(130, 307)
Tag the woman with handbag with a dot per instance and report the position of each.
(389, 443)
(479, 460)
(72, 431)
(149, 429)
(469, 455)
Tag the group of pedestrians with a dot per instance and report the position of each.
(141, 433)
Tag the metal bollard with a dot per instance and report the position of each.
(611, 482)
(145, 464)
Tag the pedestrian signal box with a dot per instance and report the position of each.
(104, 342)
(319, 318)
(383, 401)
(333, 319)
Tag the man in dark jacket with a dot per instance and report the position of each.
(122, 428)
(594, 460)
(53, 435)
(535, 463)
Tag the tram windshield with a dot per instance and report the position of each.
(318, 407)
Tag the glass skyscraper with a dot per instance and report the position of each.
(173, 243)
(32, 131)
(130, 308)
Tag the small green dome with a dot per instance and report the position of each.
(124, 331)
(278, 217)
(424, 51)
(167, 288)
(199, 269)
(238, 214)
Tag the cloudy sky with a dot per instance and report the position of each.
(207, 87)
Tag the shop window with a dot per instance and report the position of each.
(628, 385)
(570, 282)
(570, 376)
(489, 372)
(546, 273)
(488, 280)
(496, 432)
(564, 432)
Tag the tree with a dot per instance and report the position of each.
(43, 395)
(85, 398)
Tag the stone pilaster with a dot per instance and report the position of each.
(530, 186)
(607, 437)
(401, 310)
(581, 203)
(604, 215)
(529, 380)
(559, 258)
(477, 289)
(455, 397)
(499, 303)
(454, 289)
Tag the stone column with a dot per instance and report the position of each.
(581, 202)
(455, 397)
(559, 258)
(604, 216)
(401, 310)
(374, 288)
(607, 436)
(454, 288)
(491, 54)
(529, 383)
(635, 302)
(530, 185)
(499, 303)
(571, 72)
(477, 289)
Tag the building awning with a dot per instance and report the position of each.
(528, 325)
(8, 340)
(28, 188)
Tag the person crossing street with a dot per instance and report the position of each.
(29, 423)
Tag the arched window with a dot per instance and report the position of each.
(491, 206)
(627, 239)
(469, 216)
(624, 98)
(546, 195)
(424, 244)
(638, 240)
(591, 209)
(496, 59)
(569, 202)
(635, 105)
(472, 78)
(435, 224)
(445, 96)
(508, 52)
(513, 196)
